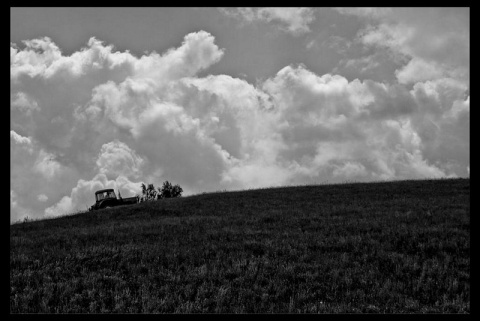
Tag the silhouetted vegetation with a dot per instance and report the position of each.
(398, 247)
(166, 191)
(148, 193)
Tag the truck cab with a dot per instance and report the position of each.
(105, 194)
(105, 198)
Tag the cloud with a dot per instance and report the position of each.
(337, 43)
(292, 20)
(330, 123)
(17, 212)
(18, 139)
(83, 127)
(33, 171)
(24, 103)
(46, 165)
(418, 70)
(42, 57)
(363, 64)
(117, 159)
(365, 12)
(82, 195)
(435, 41)
(35, 59)
(42, 197)
(197, 52)
(109, 119)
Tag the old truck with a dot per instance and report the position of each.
(106, 198)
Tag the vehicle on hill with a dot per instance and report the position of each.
(106, 198)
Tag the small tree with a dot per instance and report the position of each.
(148, 193)
(168, 190)
(144, 193)
(177, 191)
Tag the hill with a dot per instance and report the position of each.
(397, 247)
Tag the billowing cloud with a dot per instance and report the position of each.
(100, 118)
(23, 103)
(82, 195)
(436, 42)
(366, 128)
(19, 139)
(35, 172)
(117, 159)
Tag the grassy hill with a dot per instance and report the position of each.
(379, 247)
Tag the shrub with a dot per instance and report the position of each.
(148, 193)
(168, 190)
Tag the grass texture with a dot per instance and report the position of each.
(393, 247)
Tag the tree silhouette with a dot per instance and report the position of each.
(168, 190)
(148, 193)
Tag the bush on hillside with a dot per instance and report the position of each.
(166, 191)
(148, 193)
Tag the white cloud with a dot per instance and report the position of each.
(293, 20)
(197, 52)
(24, 103)
(296, 19)
(42, 57)
(365, 12)
(363, 64)
(418, 70)
(13, 198)
(126, 120)
(64, 206)
(435, 41)
(82, 196)
(17, 212)
(35, 59)
(42, 197)
(337, 43)
(19, 139)
(347, 122)
(117, 159)
(47, 165)
(350, 169)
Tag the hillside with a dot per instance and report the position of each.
(376, 247)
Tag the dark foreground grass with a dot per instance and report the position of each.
(398, 247)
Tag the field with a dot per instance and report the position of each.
(395, 247)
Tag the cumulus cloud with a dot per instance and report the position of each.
(19, 139)
(34, 172)
(46, 165)
(293, 20)
(331, 123)
(108, 119)
(79, 123)
(418, 70)
(25, 104)
(435, 41)
(197, 52)
(82, 195)
(117, 159)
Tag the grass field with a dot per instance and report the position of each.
(396, 247)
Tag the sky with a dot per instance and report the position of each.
(220, 99)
